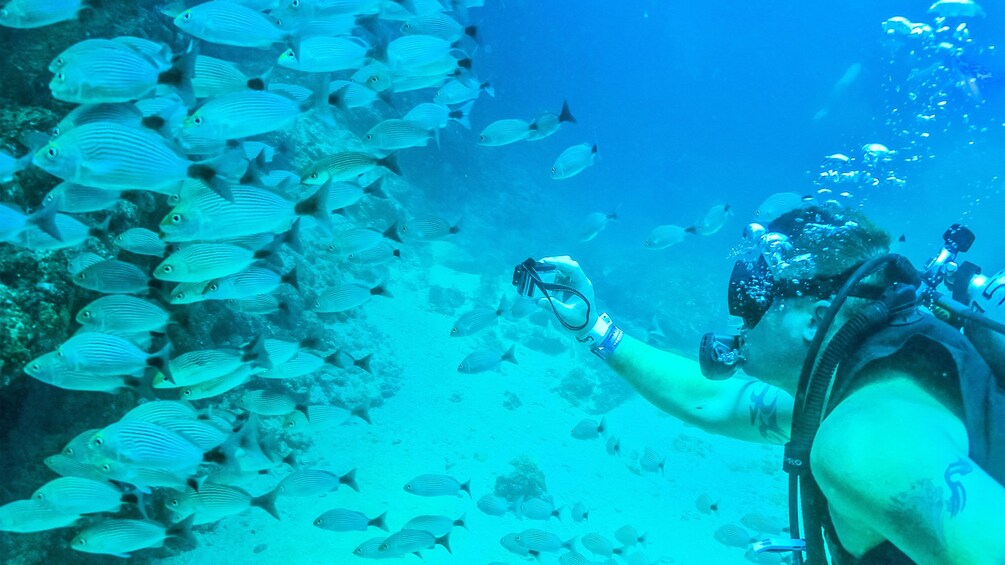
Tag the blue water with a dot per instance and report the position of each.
(691, 105)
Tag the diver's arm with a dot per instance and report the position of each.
(891, 458)
(740, 408)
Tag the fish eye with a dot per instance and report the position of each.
(374, 79)
(351, 255)
(35, 366)
(318, 522)
(106, 467)
(59, 354)
(187, 16)
(52, 152)
(453, 330)
(167, 268)
(81, 541)
(197, 120)
(331, 247)
(317, 303)
(187, 392)
(173, 502)
(213, 287)
(59, 60)
(83, 276)
(85, 314)
(177, 217)
(61, 77)
(553, 171)
(295, 3)
(481, 138)
(369, 136)
(314, 175)
(55, 131)
(99, 441)
(39, 496)
(179, 296)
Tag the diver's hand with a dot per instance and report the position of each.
(567, 306)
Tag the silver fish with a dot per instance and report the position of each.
(268, 403)
(394, 134)
(242, 114)
(27, 14)
(410, 52)
(629, 536)
(206, 261)
(459, 91)
(407, 541)
(439, 526)
(112, 276)
(215, 77)
(494, 505)
(652, 461)
(764, 524)
(713, 221)
(574, 160)
(123, 313)
(376, 76)
(437, 485)
(664, 236)
(732, 535)
(346, 296)
(49, 370)
(346, 166)
(144, 444)
(540, 540)
(347, 95)
(430, 227)
(342, 520)
(476, 320)
(778, 204)
(486, 360)
(213, 502)
(141, 241)
(706, 505)
(230, 23)
(249, 283)
(121, 537)
(595, 223)
(547, 123)
(78, 199)
(314, 482)
(539, 509)
(439, 25)
(78, 495)
(599, 545)
(588, 429)
(504, 132)
(116, 72)
(106, 354)
(26, 516)
(325, 54)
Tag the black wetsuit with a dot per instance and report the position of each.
(953, 366)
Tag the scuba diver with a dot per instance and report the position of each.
(887, 393)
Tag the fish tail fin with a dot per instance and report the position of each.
(254, 352)
(566, 115)
(644, 539)
(472, 32)
(444, 541)
(363, 412)
(291, 238)
(261, 82)
(364, 362)
(462, 114)
(183, 530)
(557, 513)
(337, 98)
(691, 229)
(510, 355)
(390, 163)
(488, 88)
(462, 521)
(267, 502)
(376, 188)
(392, 232)
(349, 480)
(380, 290)
(291, 278)
(456, 228)
(593, 150)
(181, 72)
(379, 522)
(435, 134)
(569, 543)
(502, 306)
(45, 220)
(217, 173)
(466, 487)
(602, 427)
(316, 206)
(161, 361)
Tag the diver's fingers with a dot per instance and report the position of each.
(570, 269)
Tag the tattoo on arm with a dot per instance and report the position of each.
(957, 492)
(917, 513)
(764, 411)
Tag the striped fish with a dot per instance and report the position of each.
(82, 261)
(141, 241)
(437, 525)
(78, 199)
(382, 253)
(438, 25)
(207, 216)
(69, 467)
(110, 156)
(230, 23)
(107, 354)
(115, 72)
(243, 114)
(121, 537)
(72, 233)
(346, 296)
(49, 370)
(346, 166)
(27, 14)
(324, 416)
(326, 54)
(429, 227)
(574, 160)
(437, 485)
(347, 95)
(26, 516)
(217, 386)
(408, 541)
(124, 113)
(354, 240)
(156, 52)
(249, 283)
(113, 277)
(394, 134)
(214, 502)
(79, 495)
(280, 351)
(504, 132)
(198, 366)
(267, 403)
(159, 411)
(188, 293)
(123, 313)
(206, 261)
(301, 364)
(343, 520)
(144, 444)
(314, 482)
(215, 77)
(540, 540)
(415, 51)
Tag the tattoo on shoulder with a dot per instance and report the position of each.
(957, 492)
(764, 411)
(917, 512)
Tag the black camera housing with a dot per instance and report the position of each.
(526, 274)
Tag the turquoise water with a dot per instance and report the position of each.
(690, 106)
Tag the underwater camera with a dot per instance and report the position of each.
(527, 276)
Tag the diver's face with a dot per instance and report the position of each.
(775, 348)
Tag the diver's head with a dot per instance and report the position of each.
(802, 259)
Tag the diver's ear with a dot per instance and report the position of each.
(818, 311)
